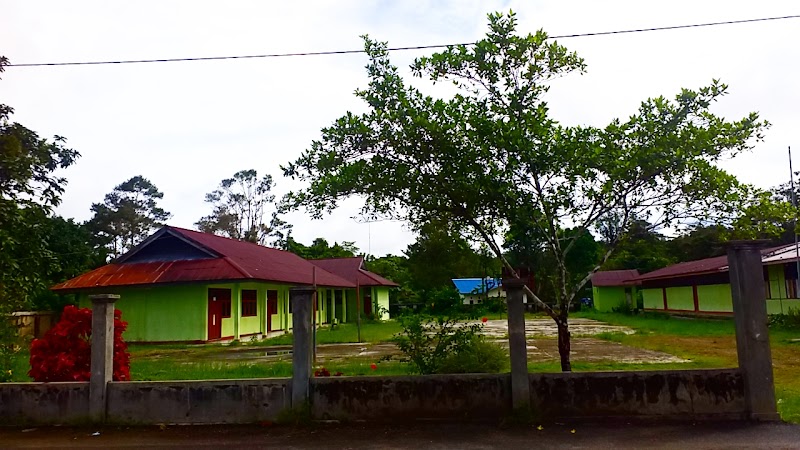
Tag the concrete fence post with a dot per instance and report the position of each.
(520, 383)
(102, 364)
(301, 298)
(752, 334)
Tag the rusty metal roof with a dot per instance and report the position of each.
(237, 261)
(352, 270)
(615, 278)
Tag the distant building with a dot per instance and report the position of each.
(614, 288)
(474, 290)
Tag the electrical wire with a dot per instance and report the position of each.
(413, 47)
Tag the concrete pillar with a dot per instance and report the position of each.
(102, 365)
(301, 298)
(752, 334)
(517, 347)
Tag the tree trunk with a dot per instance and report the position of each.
(564, 344)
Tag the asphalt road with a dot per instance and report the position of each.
(421, 435)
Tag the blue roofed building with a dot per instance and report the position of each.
(474, 290)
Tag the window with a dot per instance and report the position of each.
(226, 308)
(249, 303)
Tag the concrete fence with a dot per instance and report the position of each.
(746, 392)
(657, 395)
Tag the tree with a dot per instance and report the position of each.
(440, 254)
(490, 155)
(320, 249)
(641, 248)
(127, 215)
(29, 189)
(240, 205)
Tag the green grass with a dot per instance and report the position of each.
(157, 370)
(664, 324)
(344, 333)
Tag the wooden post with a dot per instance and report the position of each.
(752, 334)
(102, 364)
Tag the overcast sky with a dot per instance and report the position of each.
(187, 125)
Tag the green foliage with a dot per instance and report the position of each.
(479, 356)
(240, 205)
(441, 301)
(127, 215)
(427, 341)
(490, 156)
(10, 344)
(320, 249)
(440, 254)
(789, 320)
(30, 255)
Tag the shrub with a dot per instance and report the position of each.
(427, 341)
(9, 346)
(789, 320)
(479, 356)
(64, 353)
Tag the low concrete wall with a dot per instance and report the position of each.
(223, 401)
(44, 403)
(677, 394)
(684, 394)
(410, 397)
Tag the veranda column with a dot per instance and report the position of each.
(301, 298)
(102, 364)
(752, 335)
(520, 383)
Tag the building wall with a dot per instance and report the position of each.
(680, 298)
(715, 298)
(161, 313)
(607, 297)
(381, 296)
(653, 298)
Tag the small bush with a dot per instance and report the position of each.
(64, 353)
(480, 356)
(427, 341)
(9, 346)
(625, 308)
(789, 320)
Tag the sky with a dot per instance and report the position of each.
(187, 125)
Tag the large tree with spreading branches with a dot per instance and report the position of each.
(491, 155)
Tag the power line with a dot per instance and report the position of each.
(413, 47)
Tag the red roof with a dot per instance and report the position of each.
(701, 266)
(237, 260)
(615, 278)
(351, 269)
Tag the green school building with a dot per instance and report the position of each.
(614, 288)
(183, 285)
(703, 286)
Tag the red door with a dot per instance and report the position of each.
(272, 307)
(367, 304)
(217, 299)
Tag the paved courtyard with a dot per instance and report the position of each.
(542, 345)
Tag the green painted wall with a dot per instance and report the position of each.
(607, 297)
(680, 298)
(163, 313)
(382, 302)
(653, 298)
(715, 298)
(778, 306)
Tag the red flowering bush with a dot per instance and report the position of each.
(64, 353)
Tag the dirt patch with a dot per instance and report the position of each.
(546, 327)
(542, 347)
